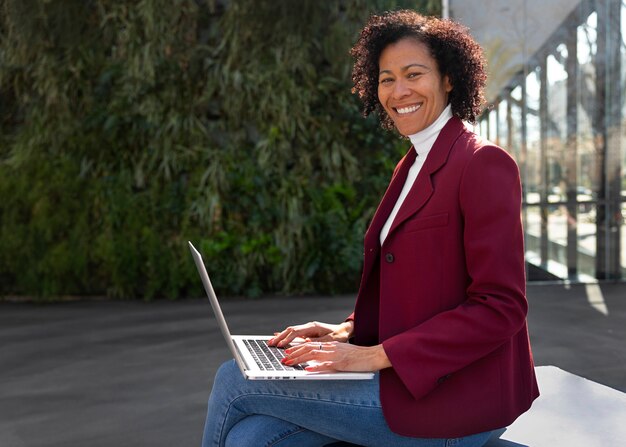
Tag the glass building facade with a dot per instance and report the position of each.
(562, 115)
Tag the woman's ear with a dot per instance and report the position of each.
(447, 85)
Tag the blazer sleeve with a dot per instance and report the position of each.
(494, 307)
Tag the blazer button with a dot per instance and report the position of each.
(443, 379)
(389, 257)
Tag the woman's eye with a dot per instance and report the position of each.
(385, 80)
(413, 75)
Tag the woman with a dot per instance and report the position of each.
(441, 310)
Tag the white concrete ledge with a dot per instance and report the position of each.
(571, 412)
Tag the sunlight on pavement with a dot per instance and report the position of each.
(596, 299)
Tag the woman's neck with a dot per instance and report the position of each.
(420, 138)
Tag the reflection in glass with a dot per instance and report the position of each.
(533, 138)
(557, 117)
(556, 125)
(586, 105)
(557, 240)
(586, 238)
(623, 136)
(623, 61)
(481, 128)
(623, 239)
(515, 123)
(533, 235)
(503, 128)
(622, 217)
(493, 126)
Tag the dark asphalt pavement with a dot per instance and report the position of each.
(110, 373)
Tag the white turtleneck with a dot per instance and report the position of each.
(422, 143)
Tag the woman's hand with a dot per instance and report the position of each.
(313, 332)
(336, 356)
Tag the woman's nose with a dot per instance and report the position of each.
(400, 89)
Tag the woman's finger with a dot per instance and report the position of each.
(310, 347)
(320, 367)
(288, 337)
(284, 337)
(315, 356)
(307, 352)
(296, 351)
(325, 337)
(290, 333)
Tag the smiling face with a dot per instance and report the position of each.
(410, 87)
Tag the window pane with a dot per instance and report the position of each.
(493, 126)
(533, 235)
(515, 123)
(503, 128)
(533, 138)
(623, 141)
(587, 241)
(556, 125)
(588, 175)
(623, 239)
(557, 241)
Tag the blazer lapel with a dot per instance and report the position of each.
(423, 187)
(420, 192)
(372, 235)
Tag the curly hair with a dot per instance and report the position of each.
(456, 53)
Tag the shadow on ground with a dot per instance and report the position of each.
(138, 374)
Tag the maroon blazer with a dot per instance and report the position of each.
(445, 294)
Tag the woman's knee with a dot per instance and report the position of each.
(227, 375)
(224, 383)
(251, 431)
(262, 431)
(228, 369)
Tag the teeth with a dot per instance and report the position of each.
(410, 109)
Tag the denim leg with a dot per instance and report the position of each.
(264, 431)
(477, 440)
(347, 410)
(311, 405)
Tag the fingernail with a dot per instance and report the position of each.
(270, 341)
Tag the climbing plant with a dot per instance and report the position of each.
(128, 128)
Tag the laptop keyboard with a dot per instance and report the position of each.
(268, 357)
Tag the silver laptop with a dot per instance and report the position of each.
(257, 360)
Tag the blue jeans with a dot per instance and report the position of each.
(303, 413)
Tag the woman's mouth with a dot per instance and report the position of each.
(408, 109)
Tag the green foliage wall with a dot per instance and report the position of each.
(129, 127)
